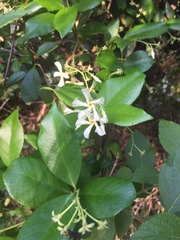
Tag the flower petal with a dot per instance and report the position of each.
(98, 101)
(59, 66)
(86, 94)
(100, 129)
(78, 103)
(61, 82)
(87, 131)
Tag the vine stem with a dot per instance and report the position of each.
(11, 227)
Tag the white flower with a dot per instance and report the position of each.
(60, 74)
(93, 115)
(102, 225)
(86, 227)
(152, 54)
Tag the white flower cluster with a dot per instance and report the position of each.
(92, 115)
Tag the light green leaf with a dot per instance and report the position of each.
(15, 14)
(6, 238)
(30, 183)
(174, 24)
(64, 20)
(40, 226)
(105, 197)
(125, 115)
(146, 30)
(30, 85)
(38, 25)
(164, 226)
(51, 5)
(140, 60)
(124, 90)
(82, 5)
(113, 29)
(60, 147)
(147, 155)
(121, 43)
(169, 179)
(169, 133)
(11, 138)
(106, 59)
(46, 47)
(146, 174)
(31, 138)
(104, 234)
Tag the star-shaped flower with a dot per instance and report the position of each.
(61, 74)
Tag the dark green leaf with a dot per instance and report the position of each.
(105, 197)
(122, 223)
(146, 174)
(140, 60)
(169, 187)
(148, 7)
(124, 90)
(169, 11)
(125, 115)
(174, 24)
(29, 182)
(38, 25)
(40, 226)
(121, 43)
(169, 133)
(51, 5)
(82, 5)
(64, 20)
(31, 85)
(164, 226)
(136, 159)
(124, 172)
(46, 47)
(15, 78)
(147, 30)
(92, 29)
(60, 147)
(11, 138)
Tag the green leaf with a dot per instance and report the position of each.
(146, 30)
(38, 25)
(113, 29)
(68, 93)
(148, 7)
(15, 14)
(46, 47)
(125, 115)
(169, 11)
(169, 133)
(121, 43)
(106, 59)
(6, 238)
(64, 20)
(29, 182)
(169, 187)
(164, 226)
(136, 159)
(122, 223)
(31, 138)
(92, 29)
(15, 78)
(174, 24)
(40, 226)
(105, 197)
(60, 147)
(140, 60)
(50, 5)
(104, 234)
(146, 174)
(124, 90)
(82, 5)
(31, 85)
(11, 138)
(124, 172)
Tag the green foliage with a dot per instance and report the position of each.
(87, 60)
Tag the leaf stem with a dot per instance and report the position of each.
(11, 227)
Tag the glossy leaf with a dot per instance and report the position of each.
(31, 175)
(82, 5)
(140, 60)
(164, 226)
(121, 43)
(11, 138)
(169, 133)
(51, 5)
(64, 20)
(31, 85)
(15, 78)
(124, 90)
(146, 174)
(31, 138)
(15, 14)
(60, 147)
(113, 192)
(148, 7)
(40, 226)
(174, 24)
(169, 11)
(125, 115)
(113, 29)
(136, 158)
(146, 30)
(104, 234)
(106, 59)
(169, 187)
(46, 47)
(38, 25)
